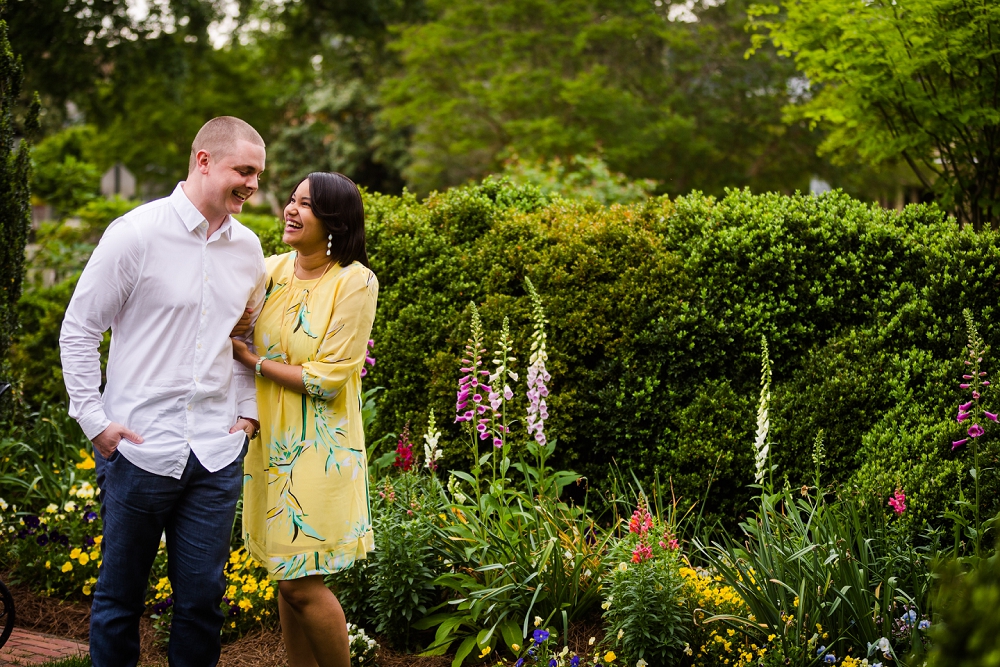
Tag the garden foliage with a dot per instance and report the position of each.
(656, 312)
(15, 211)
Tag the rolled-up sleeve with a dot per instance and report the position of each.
(103, 288)
(244, 379)
(342, 352)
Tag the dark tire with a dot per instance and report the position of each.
(6, 614)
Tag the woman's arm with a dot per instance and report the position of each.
(289, 377)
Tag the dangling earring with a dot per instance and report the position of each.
(329, 244)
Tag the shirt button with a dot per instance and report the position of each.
(204, 311)
(199, 346)
(189, 406)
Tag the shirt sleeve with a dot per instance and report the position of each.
(342, 352)
(104, 286)
(244, 378)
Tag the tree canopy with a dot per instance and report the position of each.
(917, 80)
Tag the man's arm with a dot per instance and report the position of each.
(243, 377)
(105, 284)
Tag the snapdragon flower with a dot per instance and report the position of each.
(431, 437)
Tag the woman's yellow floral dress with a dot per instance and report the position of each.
(305, 498)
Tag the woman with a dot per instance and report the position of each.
(305, 497)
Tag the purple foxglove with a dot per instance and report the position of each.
(497, 442)
(958, 443)
(989, 415)
(986, 383)
(964, 385)
(975, 431)
(508, 394)
(964, 407)
(962, 416)
(975, 395)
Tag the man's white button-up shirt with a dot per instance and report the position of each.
(171, 296)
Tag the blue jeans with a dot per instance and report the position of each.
(137, 507)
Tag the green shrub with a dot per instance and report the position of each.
(966, 629)
(656, 311)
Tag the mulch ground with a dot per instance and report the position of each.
(262, 648)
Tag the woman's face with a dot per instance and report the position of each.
(303, 230)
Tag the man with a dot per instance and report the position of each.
(170, 279)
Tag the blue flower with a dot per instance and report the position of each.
(520, 661)
(830, 658)
(552, 662)
(909, 618)
(574, 661)
(820, 650)
(538, 636)
(924, 624)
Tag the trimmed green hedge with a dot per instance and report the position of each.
(656, 311)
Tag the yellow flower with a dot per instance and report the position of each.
(67, 566)
(486, 651)
(84, 559)
(97, 540)
(48, 565)
(52, 508)
(610, 656)
(538, 621)
(591, 642)
(86, 590)
(622, 566)
(87, 462)
(245, 604)
(621, 633)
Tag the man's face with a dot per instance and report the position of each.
(234, 176)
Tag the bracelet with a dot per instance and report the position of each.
(257, 368)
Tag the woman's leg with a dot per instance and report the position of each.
(312, 624)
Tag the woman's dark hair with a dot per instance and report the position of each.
(336, 201)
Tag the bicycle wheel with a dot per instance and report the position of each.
(6, 614)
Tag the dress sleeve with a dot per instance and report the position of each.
(342, 350)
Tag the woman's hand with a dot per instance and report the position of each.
(242, 354)
(242, 327)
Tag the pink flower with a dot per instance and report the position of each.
(958, 443)
(989, 415)
(962, 416)
(964, 385)
(898, 502)
(641, 553)
(975, 431)
(964, 407)
(641, 521)
(404, 450)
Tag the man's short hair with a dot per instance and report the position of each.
(219, 136)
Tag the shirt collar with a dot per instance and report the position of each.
(191, 216)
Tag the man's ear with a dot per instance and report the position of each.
(202, 159)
